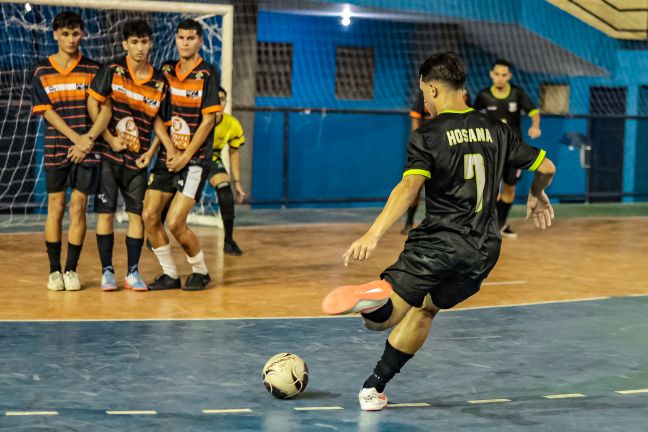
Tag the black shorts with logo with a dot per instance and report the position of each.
(74, 176)
(116, 177)
(445, 266)
(217, 167)
(189, 182)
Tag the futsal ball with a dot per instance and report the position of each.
(285, 375)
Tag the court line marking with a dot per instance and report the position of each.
(541, 303)
(405, 405)
(324, 408)
(143, 412)
(565, 396)
(627, 392)
(227, 411)
(31, 413)
(487, 401)
(520, 282)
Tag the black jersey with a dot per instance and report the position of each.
(507, 109)
(463, 154)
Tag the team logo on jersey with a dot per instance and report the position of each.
(199, 75)
(193, 94)
(120, 70)
(159, 85)
(180, 133)
(82, 86)
(512, 106)
(166, 68)
(127, 130)
(150, 102)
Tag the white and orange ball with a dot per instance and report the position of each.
(285, 375)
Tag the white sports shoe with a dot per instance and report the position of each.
(72, 282)
(55, 282)
(371, 400)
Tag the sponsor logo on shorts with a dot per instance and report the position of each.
(151, 178)
(102, 198)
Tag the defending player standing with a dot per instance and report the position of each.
(193, 106)
(59, 93)
(460, 155)
(229, 132)
(504, 102)
(136, 91)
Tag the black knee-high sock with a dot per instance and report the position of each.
(391, 362)
(226, 204)
(105, 243)
(228, 225)
(73, 254)
(54, 255)
(411, 212)
(503, 210)
(133, 250)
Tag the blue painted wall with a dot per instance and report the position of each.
(327, 154)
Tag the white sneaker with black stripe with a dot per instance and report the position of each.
(371, 400)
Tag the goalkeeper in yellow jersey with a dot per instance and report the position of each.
(228, 131)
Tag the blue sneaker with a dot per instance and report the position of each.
(108, 281)
(135, 282)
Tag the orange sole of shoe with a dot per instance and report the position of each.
(346, 297)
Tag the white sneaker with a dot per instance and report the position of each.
(72, 282)
(55, 282)
(371, 400)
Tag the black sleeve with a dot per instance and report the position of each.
(479, 103)
(521, 155)
(526, 103)
(419, 158)
(101, 85)
(40, 100)
(165, 104)
(210, 98)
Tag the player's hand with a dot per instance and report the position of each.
(240, 192)
(85, 143)
(144, 160)
(177, 162)
(361, 249)
(534, 132)
(76, 155)
(117, 143)
(539, 208)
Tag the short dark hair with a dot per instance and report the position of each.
(136, 28)
(222, 90)
(191, 24)
(447, 67)
(501, 62)
(67, 19)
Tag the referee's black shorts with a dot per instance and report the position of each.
(443, 265)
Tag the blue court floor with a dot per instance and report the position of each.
(481, 370)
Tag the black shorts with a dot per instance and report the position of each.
(116, 177)
(74, 176)
(445, 266)
(511, 176)
(190, 181)
(217, 167)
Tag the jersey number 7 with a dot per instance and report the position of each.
(474, 168)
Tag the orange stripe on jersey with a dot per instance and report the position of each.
(96, 95)
(138, 105)
(67, 95)
(73, 78)
(212, 109)
(185, 102)
(41, 108)
(146, 91)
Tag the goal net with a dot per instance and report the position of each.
(27, 38)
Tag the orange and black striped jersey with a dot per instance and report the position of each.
(135, 104)
(194, 93)
(64, 91)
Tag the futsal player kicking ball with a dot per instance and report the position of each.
(192, 109)
(460, 155)
(136, 91)
(59, 93)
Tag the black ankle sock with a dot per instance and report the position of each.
(134, 250)
(229, 229)
(73, 254)
(54, 255)
(105, 243)
(381, 314)
(411, 212)
(503, 210)
(391, 362)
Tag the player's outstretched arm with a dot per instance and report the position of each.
(538, 205)
(399, 201)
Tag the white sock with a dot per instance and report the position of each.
(198, 263)
(163, 254)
